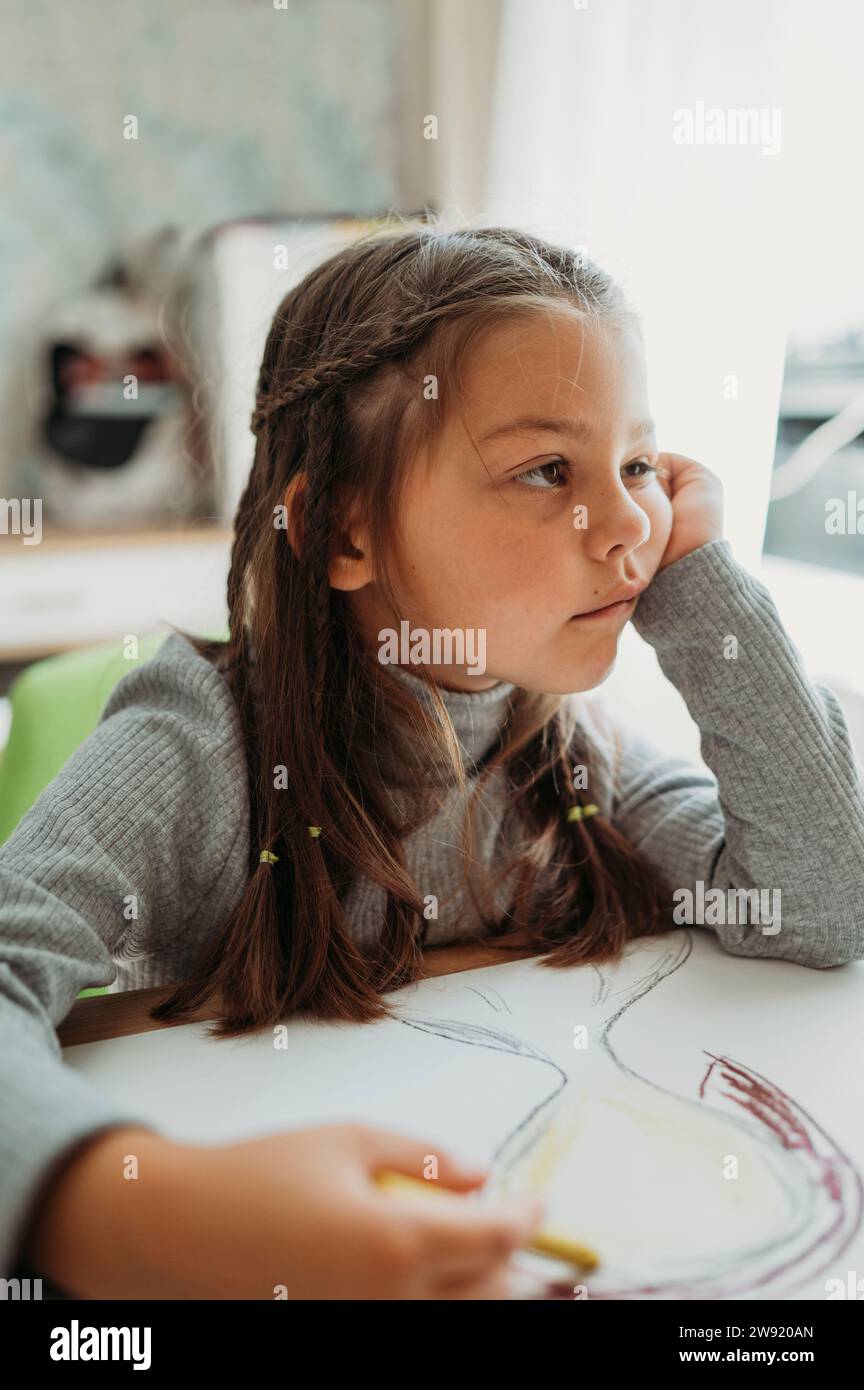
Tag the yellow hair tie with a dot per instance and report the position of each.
(268, 857)
(580, 812)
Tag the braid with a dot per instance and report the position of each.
(238, 673)
(329, 376)
(316, 383)
(316, 544)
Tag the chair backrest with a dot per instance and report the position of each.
(56, 703)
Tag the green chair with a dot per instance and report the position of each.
(56, 703)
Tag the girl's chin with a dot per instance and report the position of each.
(575, 677)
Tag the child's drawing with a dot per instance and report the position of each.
(670, 1152)
(733, 1191)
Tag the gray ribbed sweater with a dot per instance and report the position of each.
(154, 804)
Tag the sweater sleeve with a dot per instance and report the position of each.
(779, 806)
(131, 837)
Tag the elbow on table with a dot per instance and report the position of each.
(804, 944)
(832, 954)
(834, 937)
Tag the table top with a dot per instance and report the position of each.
(102, 1016)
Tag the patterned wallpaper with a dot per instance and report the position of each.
(242, 109)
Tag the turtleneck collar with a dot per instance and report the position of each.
(477, 716)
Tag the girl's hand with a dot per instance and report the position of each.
(302, 1210)
(297, 1211)
(696, 495)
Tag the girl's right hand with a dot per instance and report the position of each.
(296, 1214)
(303, 1211)
(696, 495)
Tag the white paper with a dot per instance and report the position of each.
(694, 1117)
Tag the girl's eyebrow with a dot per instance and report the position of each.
(577, 428)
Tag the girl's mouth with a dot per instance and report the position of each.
(628, 594)
(612, 610)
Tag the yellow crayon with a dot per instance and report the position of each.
(542, 1243)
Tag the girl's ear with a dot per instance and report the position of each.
(350, 554)
(293, 503)
(350, 548)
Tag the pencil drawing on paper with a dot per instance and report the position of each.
(734, 1191)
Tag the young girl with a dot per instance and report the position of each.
(456, 505)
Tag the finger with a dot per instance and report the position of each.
(459, 1238)
(384, 1149)
(666, 477)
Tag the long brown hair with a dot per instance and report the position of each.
(341, 399)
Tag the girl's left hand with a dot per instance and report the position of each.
(696, 495)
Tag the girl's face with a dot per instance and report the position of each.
(541, 505)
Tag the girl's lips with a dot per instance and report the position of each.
(612, 610)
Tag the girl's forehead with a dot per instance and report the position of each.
(564, 363)
(537, 338)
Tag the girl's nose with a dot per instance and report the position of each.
(615, 525)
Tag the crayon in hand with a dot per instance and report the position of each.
(541, 1243)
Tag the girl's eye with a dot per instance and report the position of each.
(531, 475)
(653, 470)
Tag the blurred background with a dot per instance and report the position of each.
(169, 171)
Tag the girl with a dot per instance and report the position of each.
(454, 448)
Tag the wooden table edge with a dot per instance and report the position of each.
(103, 1016)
